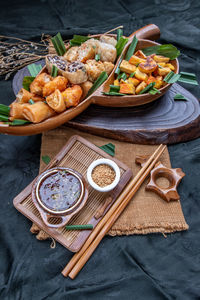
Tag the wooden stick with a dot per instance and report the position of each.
(109, 214)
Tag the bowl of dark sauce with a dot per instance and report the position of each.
(58, 194)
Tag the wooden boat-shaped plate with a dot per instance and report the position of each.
(145, 36)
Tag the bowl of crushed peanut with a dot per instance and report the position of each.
(103, 175)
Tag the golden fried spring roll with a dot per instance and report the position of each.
(24, 96)
(37, 112)
(72, 95)
(58, 83)
(86, 86)
(16, 110)
(56, 101)
(36, 87)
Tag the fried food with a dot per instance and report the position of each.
(24, 96)
(94, 69)
(126, 67)
(94, 43)
(160, 58)
(71, 54)
(107, 52)
(148, 66)
(57, 61)
(127, 88)
(140, 75)
(86, 86)
(108, 67)
(56, 101)
(85, 52)
(37, 112)
(58, 83)
(36, 87)
(140, 87)
(108, 40)
(16, 110)
(72, 96)
(76, 72)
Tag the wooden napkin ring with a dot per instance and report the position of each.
(174, 177)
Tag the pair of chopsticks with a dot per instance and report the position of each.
(81, 257)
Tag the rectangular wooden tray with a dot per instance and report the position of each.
(77, 154)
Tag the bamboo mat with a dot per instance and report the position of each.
(147, 212)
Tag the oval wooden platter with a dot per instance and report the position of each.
(149, 31)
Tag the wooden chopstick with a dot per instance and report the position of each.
(77, 261)
(86, 255)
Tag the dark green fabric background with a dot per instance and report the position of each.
(133, 267)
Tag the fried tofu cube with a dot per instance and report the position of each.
(127, 88)
(149, 66)
(159, 82)
(140, 87)
(135, 60)
(151, 79)
(116, 82)
(140, 54)
(160, 59)
(163, 71)
(140, 75)
(126, 67)
(170, 66)
(133, 81)
(162, 64)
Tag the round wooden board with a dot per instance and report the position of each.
(162, 121)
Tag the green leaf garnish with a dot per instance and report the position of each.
(147, 88)
(54, 71)
(58, 44)
(117, 71)
(3, 118)
(46, 159)
(167, 50)
(31, 101)
(102, 77)
(27, 81)
(108, 148)
(131, 48)
(114, 88)
(189, 78)
(159, 66)
(4, 110)
(119, 33)
(121, 44)
(132, 74)
(180, 97)
(79, 227)
(171, 77)
(122, 76)
(77, 40)
(113, 94)
(17, 122)
(97, 57)
(154, 91)
(34, 69)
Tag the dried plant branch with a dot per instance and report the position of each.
(16, 53)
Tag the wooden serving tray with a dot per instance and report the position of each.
(77, 154)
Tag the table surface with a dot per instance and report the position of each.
(134, 267)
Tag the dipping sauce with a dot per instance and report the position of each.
(60, 191)
(103, 175)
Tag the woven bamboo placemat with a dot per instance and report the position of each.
(147, 212)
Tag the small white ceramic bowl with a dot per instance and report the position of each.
(103, 161)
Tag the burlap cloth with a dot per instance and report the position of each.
(147, 212)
